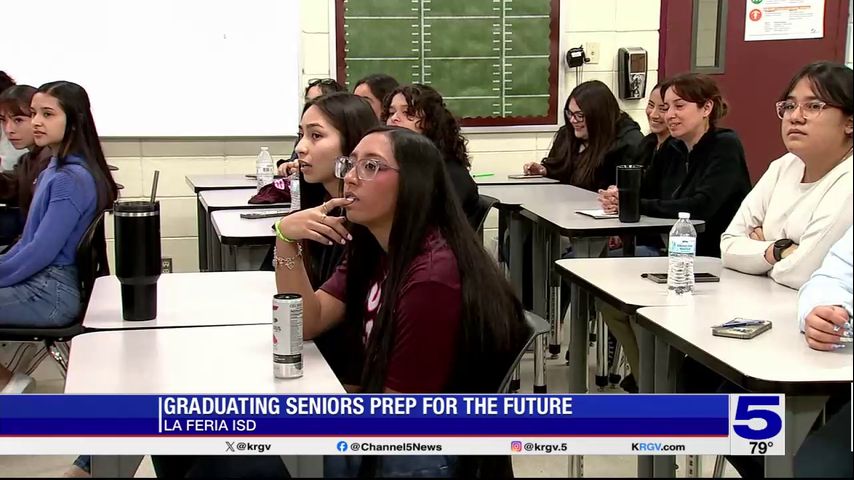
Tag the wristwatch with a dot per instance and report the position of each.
(781, 245)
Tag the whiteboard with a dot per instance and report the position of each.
(166, 68)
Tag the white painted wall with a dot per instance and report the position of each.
(612, 23)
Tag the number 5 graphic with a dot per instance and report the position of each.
(749, 408)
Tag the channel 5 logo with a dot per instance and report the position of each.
(758, 417)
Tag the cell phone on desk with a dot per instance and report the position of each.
(522, 176)
(698, 277)
(264, 214)
(741, 328)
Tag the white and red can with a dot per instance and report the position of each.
(287, 335)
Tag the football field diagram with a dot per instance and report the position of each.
(488, 58)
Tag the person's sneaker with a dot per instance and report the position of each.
(629, 384)
(19, 383)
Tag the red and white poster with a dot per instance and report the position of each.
(783, 19)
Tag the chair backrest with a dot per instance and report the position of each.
(536, 326)
(484, 204)
(92, 257)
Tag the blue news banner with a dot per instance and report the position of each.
(393, 424)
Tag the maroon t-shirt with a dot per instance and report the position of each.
(426, 322)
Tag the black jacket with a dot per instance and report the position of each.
(622, 152)
(466, 189)
(710, 183)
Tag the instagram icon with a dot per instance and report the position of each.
(516, 446)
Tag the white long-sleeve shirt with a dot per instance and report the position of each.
(813, 215)
(831, 284)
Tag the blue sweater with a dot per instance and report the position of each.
(63, 206)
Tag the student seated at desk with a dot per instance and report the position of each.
(38, 277)
(422, 109)
(595, 138)
(415, 281)
(803, 202)
(315, 88)
(703, 172)
(825, 312)
(9, 154)
(331, 126)
(18, 185)
(374, 88)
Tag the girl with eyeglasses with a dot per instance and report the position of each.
(434, 312)
(595, 138)
(803, 202)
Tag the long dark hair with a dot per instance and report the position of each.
(698, 89)
(601, 113)
(380, 85)
(491, 327)
(438, 123)
(326, 85)
(5, 81)
(832, 83)
(81, 138)
(352, 116)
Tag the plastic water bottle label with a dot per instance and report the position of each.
(683, 245)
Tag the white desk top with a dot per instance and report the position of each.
(516, 195)
(234, 198)
(206, 360)
(620, 278)
(501, 179)
(215, 182)
(189, 300)
(563, 217)
(778, 356)
(233, 230)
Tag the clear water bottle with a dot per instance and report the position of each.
(264, 168)
(295, 195)
(681, 250)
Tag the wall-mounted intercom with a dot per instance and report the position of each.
(575, 57)
(631, 72)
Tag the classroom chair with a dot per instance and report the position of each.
(91, 263)
(484, 205)
(536, 326)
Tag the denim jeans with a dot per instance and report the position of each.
(392, 466)
(50, 298)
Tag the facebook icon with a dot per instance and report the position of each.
(342, 446)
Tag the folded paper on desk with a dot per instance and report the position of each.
(598, 214)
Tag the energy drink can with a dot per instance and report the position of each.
(287, 335)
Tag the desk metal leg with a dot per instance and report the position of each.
(115, 466)
(694, 466)
(646, 382)
(801, 412)
(601, 352)
(577, 357)
(213, 249)
(541, 273)
(228, 258)
(664, 466)
(202, 226)
(517, 227)
(554, 281)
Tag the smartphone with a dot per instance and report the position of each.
(264, 214)
(698, 277)
(741, 328)
(522, 176)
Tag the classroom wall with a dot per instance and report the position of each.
(611, 23)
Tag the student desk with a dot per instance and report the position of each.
(200, 183)
(235, 237)
(212, 200)
(189, 300)
(555, 219)
(618, 282)
(204, 360)
(777, 361)
(505, 180)
(511, 197)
